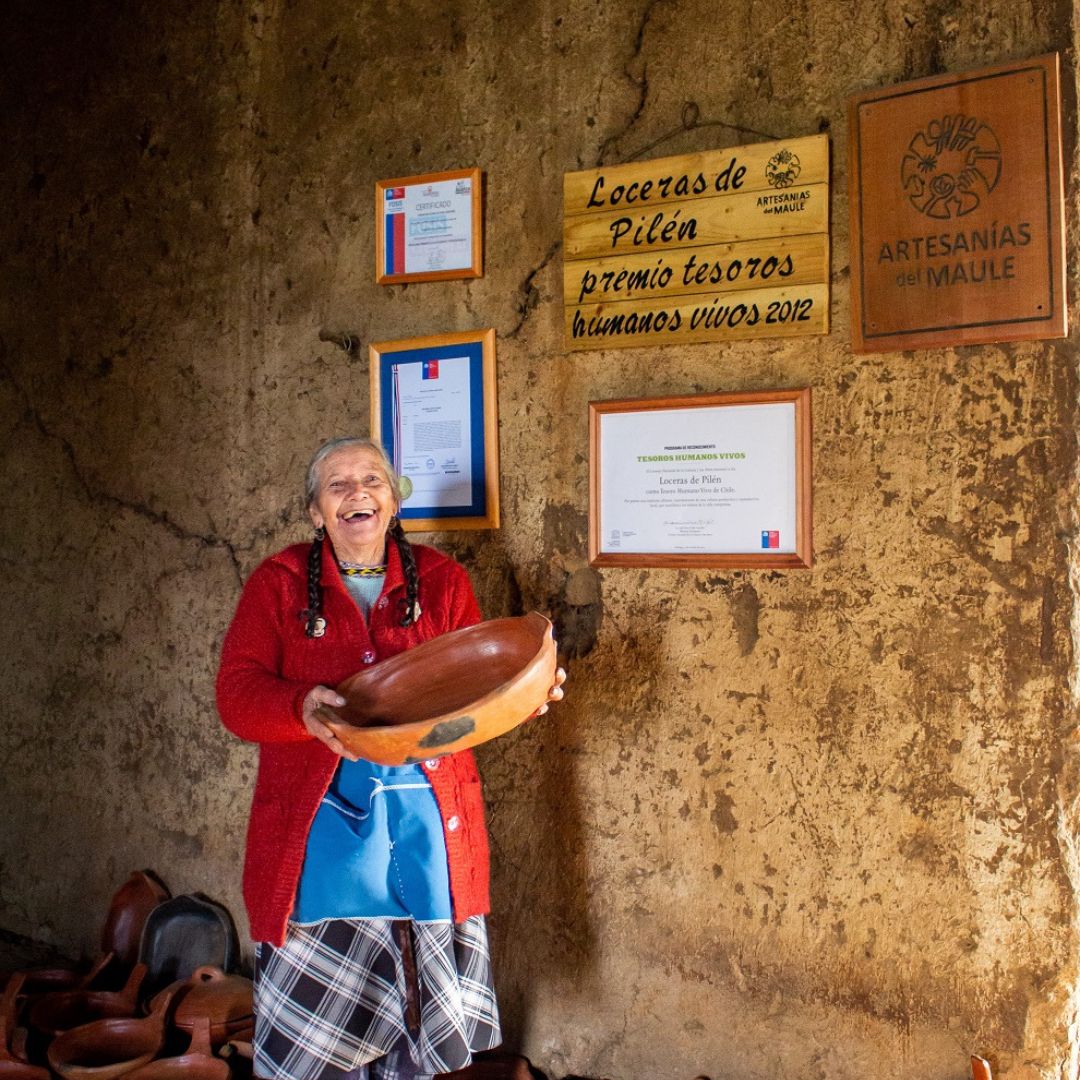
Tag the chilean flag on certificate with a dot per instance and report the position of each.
(431, 369)
(394, 241)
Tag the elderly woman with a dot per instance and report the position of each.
(366, 885)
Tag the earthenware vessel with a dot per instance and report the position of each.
(44, 980)
(455, 691)
(106, 1049)
(183, 934)
(198, 1063)
(11, 1068)
(226, 1001)
(131, 905)
(9, 1001)
(53, 1013)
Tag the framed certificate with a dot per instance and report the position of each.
(433, 407)
(429, 228)
(713, 480)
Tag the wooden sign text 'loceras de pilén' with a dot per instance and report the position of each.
(704, 247)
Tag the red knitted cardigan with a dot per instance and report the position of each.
(268, 665)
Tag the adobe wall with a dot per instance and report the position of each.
(786, 824)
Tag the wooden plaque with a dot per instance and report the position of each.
(957, 225)
(703, 247)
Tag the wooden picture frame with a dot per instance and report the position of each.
(434, 409)
(710, 480)
(429, 227)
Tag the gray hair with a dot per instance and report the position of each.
(343, 442)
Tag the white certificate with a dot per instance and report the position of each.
(430, 227)
(433, 446)
(690, 479)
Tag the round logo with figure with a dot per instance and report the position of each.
(783, 169)
(950, 166)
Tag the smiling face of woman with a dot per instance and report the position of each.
(354, 502)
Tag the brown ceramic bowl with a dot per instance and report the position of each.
(106, 1049)
(11, 1068)
(128, 912)
(455, 691)
(225, 1002)
(53, 1013)
(198, 1063)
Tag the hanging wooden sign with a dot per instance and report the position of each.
(957, 233)
(704, 247)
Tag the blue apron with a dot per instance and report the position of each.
(376, 849)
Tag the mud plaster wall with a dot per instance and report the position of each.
(786, 824)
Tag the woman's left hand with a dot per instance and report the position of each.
(555, 693)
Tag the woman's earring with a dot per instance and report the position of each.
(320, 532)
(393, 522)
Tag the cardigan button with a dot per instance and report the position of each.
(368, 657)
(454, 823)
(382, 602)
(432, 763)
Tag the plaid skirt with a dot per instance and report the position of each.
(341, 993)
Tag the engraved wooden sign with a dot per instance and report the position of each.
(956, 209)
(703, 247)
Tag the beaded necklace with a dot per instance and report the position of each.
(351, 570)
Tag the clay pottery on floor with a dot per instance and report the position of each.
(44, 980)
(226, 1001)
(53, 1013)
(455, 691)
(9, 1003)
(11, 1068)
(198, 1063)
(128, 912)
(105, 1049)
(184, 934)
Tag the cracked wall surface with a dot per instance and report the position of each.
(785, 825)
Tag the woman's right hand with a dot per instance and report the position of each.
(323, 695)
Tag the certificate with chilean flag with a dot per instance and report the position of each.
(429, 228)
(433, 408)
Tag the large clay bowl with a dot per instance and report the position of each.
(128, 912)
(455, 691)
(226, 1002)
(53, 1013)
(106, 1049)
(198, 1063)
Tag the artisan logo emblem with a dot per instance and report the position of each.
(950, 166)
(782, 169)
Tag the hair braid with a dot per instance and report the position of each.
(314, 588)
(412, 576)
